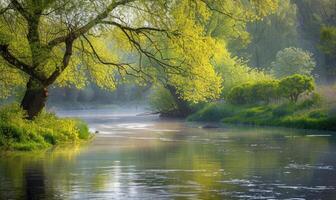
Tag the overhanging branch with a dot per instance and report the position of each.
(16, 63)
(82, 30)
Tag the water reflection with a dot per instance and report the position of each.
(34, 182)
(147, 158)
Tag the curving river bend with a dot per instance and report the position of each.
(144, 157)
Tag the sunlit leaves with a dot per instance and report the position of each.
(173, 36)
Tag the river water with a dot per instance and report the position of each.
(145, 157)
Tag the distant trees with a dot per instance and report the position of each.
(268, 36)
(290, 88)
(328, 46)
(314, 17)
(291, 61)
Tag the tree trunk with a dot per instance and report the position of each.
(35, 98)
(183, 107)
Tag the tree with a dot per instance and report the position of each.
(291, 61)
(72, 42)
(252, 93)
(313, 17)
(293, 86)
(328, 46)
(272, 34)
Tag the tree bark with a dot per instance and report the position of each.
(183, 107)
(35, 98)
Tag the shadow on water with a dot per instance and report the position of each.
(35, 182)
(137, 157)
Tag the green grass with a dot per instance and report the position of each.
(214, 112)
(304, 115)
(46, 130)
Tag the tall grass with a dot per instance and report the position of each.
(17, 133)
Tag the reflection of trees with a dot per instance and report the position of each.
(199, 160)
(35, 182)
(23, 174)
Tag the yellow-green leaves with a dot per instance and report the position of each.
(110, 45)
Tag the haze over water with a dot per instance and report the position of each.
(145, 157)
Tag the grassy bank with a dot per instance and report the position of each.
(47, 130)
(303, 115)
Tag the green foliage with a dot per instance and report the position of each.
(328, 40)
(293, 86)
(272, 34)
(235, 71)
(102, 49)
(17, 133)
(213, 112)
(284, 115)
(162, 101)
(260, 92)
(308, 114)
(284, 109)
(291, 61)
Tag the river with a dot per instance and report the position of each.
(145, 157)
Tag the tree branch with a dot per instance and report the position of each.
(82, 30)
(66, 59)
(20, 9)
(12, 60)
(136, 30)
(4, 10)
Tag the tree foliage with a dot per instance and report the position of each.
(74, 42)
(291, 61)
(272, 34)
(254, 93)
(328, 46)
(293, 86)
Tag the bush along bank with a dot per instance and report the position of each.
(45, 131)
(272, 103)
(285, 115)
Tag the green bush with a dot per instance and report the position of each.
(293, 86)
(260, 92)
(313, 100)
(17, 133)
(213, 112)
(162, 101)
(239, 95)
(318, 114)
(291, 115)
(284, 109)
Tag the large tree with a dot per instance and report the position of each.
(72, 42)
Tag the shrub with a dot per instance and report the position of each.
(293, 86)
(213, 112)
(284, 109)
(17, 133)
(313, 100)
(261, 92)
(238, 94)
(318, 114)
(162, 101)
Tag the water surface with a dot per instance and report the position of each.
(144, 157)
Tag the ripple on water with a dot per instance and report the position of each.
(307, 166)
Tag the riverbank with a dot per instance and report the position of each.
(301, 115)
(157, 158)
(45, 131)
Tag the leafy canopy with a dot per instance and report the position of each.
(293, 60)
(104, 41)
(293, 86)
